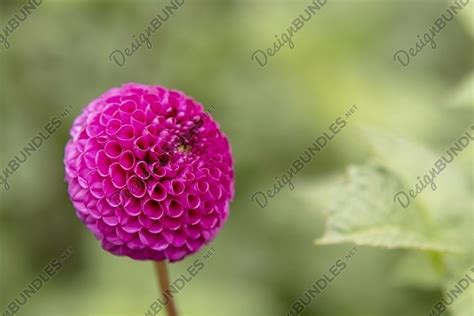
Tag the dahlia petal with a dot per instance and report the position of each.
(103, 163)
(128, 106)
(94, 212)
(188, 176)
(158, 171)
(215, 192)
(127, 160)
(138, 120)
(176, 254)
(156, 228)
(82, 182)
(159, 243)
(142, 170)
(208, 222)
(179, 238)
(114, 199)
(80, 207)
(94, 130)
(145, 221)
(202, 186)
(123, 235)
(113, 127)
(172, 170)
(194, 244)
(89, 159)
(96, 190)
(133, 206)
(136, 187)
(192, 201)
(194, 217)
(133, 226)
(174, 208)
(177, 187)
(147, 238)
(171, 223)
(113, 149)
(105, 208)
(126, 132)
(193, 231)
(118, 175)
(140, 147)
(158, 192)
(153, 209)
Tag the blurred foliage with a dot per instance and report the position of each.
(265, 258)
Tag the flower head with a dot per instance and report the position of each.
(149, 172)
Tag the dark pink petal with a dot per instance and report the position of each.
(158, 192)
(103, 163)
(153, 209)
(136, 187)
(133, 206)
(142, 170)
(174, 208)
(113, 149)
(127, 160)
(113, 126)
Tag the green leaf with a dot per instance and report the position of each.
(364, 211)
(462, 95)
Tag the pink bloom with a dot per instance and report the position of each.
(149, 172)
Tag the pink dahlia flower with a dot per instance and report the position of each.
(149, 172)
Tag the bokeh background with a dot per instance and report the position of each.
(266, 258)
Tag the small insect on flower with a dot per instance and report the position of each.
(149, 172)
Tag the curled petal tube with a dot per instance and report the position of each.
(128, 106)
(126, 134)
(136, 187)
(174, 187)
(127, 160)
(138, 120)
(153, 209)
(142, 170)
(201, 186)
(192, 201)
(103, 163)
(194, 217)
(133, 206)
(113, 127)
(140, 147)
(118, 175)
(158, 171)
(174, 208)
(158, 192)
(113, 149)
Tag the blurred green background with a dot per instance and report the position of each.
(264, 258)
